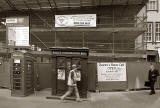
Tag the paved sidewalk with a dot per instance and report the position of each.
(131, 99)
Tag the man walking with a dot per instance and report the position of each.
(72, 84)
(152, 77)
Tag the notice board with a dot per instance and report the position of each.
(17, 31)
(111, 71)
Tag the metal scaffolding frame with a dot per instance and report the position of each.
(41, 22)
(56, 4)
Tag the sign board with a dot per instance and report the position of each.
(17, 61)
(11, 20)
(61, 74)
(18, 36)
(81, 20)
(111, 71)
(78, 75)
(17, 21)
(17, 31)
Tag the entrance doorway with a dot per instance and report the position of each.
(64, 65)
(63, 59)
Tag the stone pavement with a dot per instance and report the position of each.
(131, 99)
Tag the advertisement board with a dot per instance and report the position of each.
(18, 36)
(61, 74)
(81, 20)
(17, 31)
(111, 71)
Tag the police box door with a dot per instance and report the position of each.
(63, 66)
(61, 71)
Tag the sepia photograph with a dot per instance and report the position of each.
(79, 53)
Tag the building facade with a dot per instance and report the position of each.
(152, 36)
(118, 24)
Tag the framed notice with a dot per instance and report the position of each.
(18, 36)
(17, 61)
(111, 71)
(17, 31)
(78, 75)
(11, 36)
(61, 74)
(81, 20)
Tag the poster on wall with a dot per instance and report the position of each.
(17, 31)
(111, 71)
(79, 20)
(78, 75)
(61, 74)
(11, 36)
(18, 36)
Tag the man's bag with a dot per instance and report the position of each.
(147, 83)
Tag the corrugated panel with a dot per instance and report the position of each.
(4, 73)
(137, 74)
(44, 72)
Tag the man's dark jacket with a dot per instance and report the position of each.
(152, 76)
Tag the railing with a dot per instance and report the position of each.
(97, 47)
(104, 22)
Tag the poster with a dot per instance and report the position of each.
(17, 61)
(18, 36)
(61, 74)
(11, 20)
(78, 75)
(17, 31)
(81, 20)
(111, 71)
(11, 36)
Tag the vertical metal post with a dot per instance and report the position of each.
(30, 25)
(143, 41)
(113, 17)
(113, 47)
(83, 39)
(113, 24)
(55, 41)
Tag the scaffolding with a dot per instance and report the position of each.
(119, 23)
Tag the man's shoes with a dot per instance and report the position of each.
(78, 100)
(62, 99)
(152, 93)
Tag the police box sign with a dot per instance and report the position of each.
(111, 71)
(81, 20)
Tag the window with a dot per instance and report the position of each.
(149, 32)
(157, 32)
(152, 5)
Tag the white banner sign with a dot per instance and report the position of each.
(111, 71)
(81, 20)
(18, 36)
(11, 20)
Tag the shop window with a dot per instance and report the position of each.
(157, 34)
(152, 5)
(149, 32)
